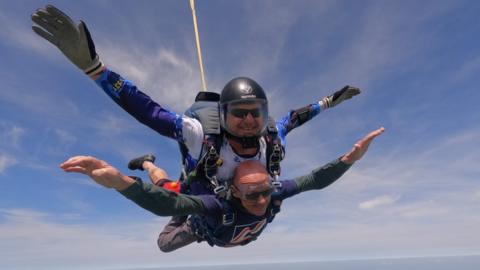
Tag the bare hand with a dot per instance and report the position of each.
(361, 147)
(99, 170)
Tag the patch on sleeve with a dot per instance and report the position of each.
(116, 81)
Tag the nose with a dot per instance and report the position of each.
(249, 117)
(262, 199)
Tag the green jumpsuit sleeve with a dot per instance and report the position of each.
(322, 176)
(162, 202)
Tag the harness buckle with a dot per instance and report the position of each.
(276, 184)
(228, 219)
(220, 190)
(274, 159)
(277, 154)
(210, 162)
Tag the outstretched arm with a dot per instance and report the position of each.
(324, 176)
(100, 171)
(75, 42)
(155, 199)
(298, 117)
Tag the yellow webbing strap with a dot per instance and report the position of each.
(199, 50)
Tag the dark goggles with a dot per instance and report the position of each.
(242, 113)
(254, 196)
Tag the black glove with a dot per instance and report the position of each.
(73, 40)
(338, 97)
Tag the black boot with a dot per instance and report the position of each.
(137, 163)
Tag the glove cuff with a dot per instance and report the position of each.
(96, 67)
(325, 103)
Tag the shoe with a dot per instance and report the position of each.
(137, 163)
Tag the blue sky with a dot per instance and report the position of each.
(416, 192)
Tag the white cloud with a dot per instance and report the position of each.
(426, 209)
(374, 44)
(65, 137)
(376, 202)
(11, 135)
(24, 97)
(51, 243)
(266, 37)
(18, 215)
(15, 134)
(15, 33)
(107, 125)
(167, 77)
(6, 162)
(359, 239)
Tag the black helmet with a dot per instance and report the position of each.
(243, 90)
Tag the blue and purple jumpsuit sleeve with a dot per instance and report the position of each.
(187, 131)
(140, 105)
(296, 118)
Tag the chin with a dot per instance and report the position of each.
(246, 133)
(258, 211)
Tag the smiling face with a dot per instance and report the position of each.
(252, 187)
(246, 119)
(243, 108)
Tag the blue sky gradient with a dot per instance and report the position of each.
(416, 192)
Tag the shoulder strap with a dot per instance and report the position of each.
(275, 152)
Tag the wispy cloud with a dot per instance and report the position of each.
(266, 36)
(425, 209)
(51, 243)
(10, 135)
(376, 202)
(21, 214)
(380, 41)
(6, 161)
(23, 96)
(368, 239)
(65, 137)
(162, 73)
(17, 35)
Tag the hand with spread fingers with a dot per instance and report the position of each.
(73, 40)
(361, 147)
(99, 170)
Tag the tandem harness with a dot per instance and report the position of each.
(201, 178)
(206, 110)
